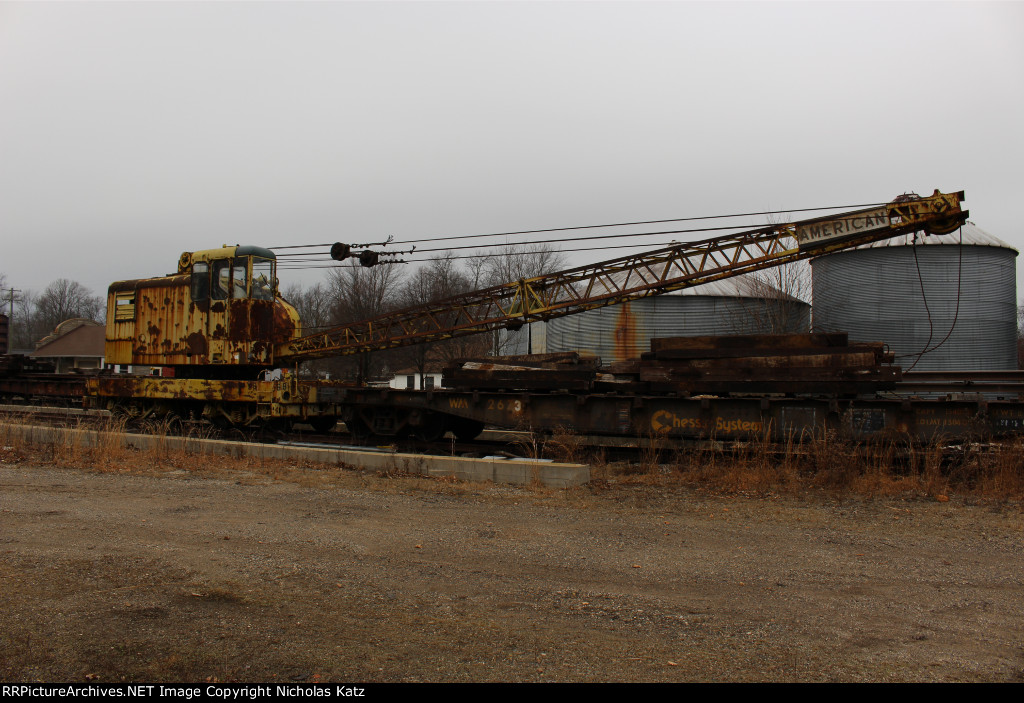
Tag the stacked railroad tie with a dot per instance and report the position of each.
(818, 364)
(568, 371)
(791, 364)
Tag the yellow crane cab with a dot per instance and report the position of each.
(220, 315)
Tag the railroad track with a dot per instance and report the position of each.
(496, 443)
(492, 443)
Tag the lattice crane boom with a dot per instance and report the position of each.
(664, 270)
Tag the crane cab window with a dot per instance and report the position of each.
(239, 289)
(221, 282)
(124, 305)
(238, 278)
(200, 280)
(262, 279)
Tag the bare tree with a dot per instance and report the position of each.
(5, 310)
(1020, 336)
(354, 293)
(476, 271)
(25, 331)
(360, 293)
(36, 315)
(64, 299)
(775, 295)
(313, 305)
(513, 262)
(436, 280)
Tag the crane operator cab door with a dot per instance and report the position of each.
(234, 289)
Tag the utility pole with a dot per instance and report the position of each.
(10, 318)
(10, 294)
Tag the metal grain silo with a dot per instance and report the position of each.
(740, 305)
(969, 293)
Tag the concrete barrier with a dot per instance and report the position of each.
(464, 468)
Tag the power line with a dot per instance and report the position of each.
(484, 256)
(566, 239)
(612, 224)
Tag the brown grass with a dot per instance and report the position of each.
(826, 463)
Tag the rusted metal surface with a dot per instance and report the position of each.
(155, 321)
(830, 230)
(533, 379)
(430, 413)
(989, 383)
(625, 335)
(538, 361)
(727, 419)
(70, 386)
(612, 282)
(225, 402)
(157, 333)
(564, 371)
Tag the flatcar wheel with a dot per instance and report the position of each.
(271, 433)
(358, 428)
(322, 425)
(237, 434)
(432, 429)
(465, 430)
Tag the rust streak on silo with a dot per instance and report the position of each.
(625, 334)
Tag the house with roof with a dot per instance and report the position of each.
(413, 380)
(75, 344)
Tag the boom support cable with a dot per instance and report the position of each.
(630, 277)
(612, 224)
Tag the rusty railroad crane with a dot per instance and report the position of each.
(219, 323)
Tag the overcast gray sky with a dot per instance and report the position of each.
(130, 132)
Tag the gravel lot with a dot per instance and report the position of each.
(204, 573)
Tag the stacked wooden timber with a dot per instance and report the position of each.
(559, 371)
(818, 364)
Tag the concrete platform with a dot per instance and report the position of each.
(488, 469)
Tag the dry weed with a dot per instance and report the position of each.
(565, 446)
(988, 471)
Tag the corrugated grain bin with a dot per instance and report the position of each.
(874, 293)
(740, 305)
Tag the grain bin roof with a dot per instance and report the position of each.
(973, 235)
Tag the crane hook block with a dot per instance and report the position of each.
(340, 252)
